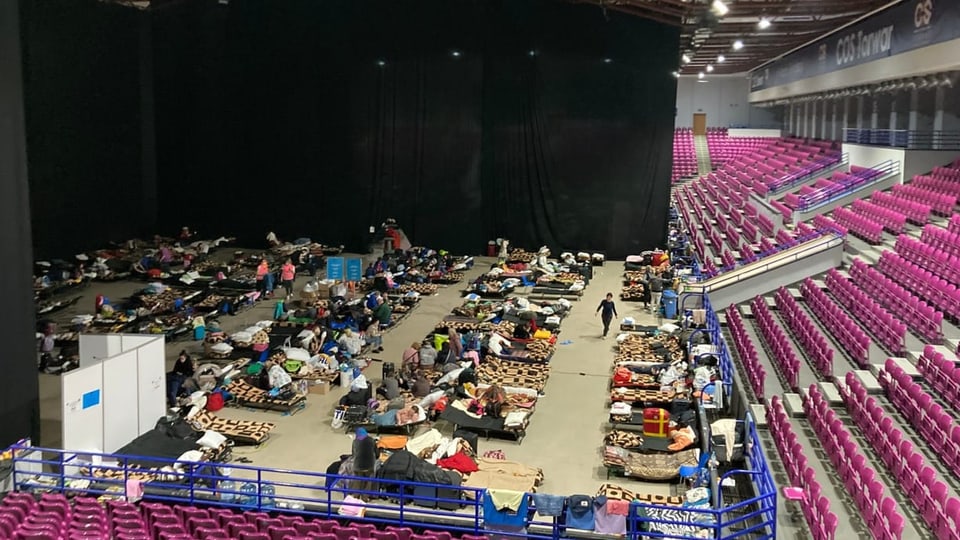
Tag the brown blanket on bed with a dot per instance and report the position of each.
(502, 474)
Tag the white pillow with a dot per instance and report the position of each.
(296, 353)
(211, 439)
(242, 337)
(515, 418)
(669, 328)
(191, 455)
(221, 348)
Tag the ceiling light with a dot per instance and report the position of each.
(700, 75)
(764, 23)
(721, 59)
(737, 45)
(709, 68)
(532, 52)
(607, 60)
(381, 63)
(719, 8)
(676, 74)
(455, 54)
(685, 58)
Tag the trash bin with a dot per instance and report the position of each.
(669, 299)
(492, 248)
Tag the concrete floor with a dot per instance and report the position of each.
(565, 434)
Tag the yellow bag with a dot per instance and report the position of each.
(542, 334)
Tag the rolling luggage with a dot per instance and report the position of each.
(389, 369)
(453, 493)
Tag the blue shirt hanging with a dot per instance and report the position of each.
(580, 512)
(493, 516)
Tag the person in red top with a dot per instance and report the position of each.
(262, 270)
(288, 272)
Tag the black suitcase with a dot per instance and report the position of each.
(452, 493)
(471, 437)
(389, 369)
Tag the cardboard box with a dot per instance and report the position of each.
(320, 387)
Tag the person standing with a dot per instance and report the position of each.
(656, 291)
(288, 272)
(262, 270)
(364, 461)
(607, 311)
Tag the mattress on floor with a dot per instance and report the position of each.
(241, 431)
(513, 373)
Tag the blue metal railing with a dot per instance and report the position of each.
(904, 138)
(878, 173)
(307, 493)
(810, 172)
(754, 518)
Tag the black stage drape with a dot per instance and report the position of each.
(81, 80)
(550, 125)
(19, 403)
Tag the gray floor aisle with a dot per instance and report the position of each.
(565, 434)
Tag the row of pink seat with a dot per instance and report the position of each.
(918, 314)
(943, 295)
(949, 171)
(879, 510)
(920, 481)
(942, 239)
(937, 185)
(942, 374)
(892, 220)
(55, 518)
(784, 359)
(929, 257)
(890, 330)
(939, 203)
(747, 352)
(816, 507)
(954, 224)
(864, 227)
(812, 340)
(915, 212)
(825, 224)
(853, 339)
(892, 445)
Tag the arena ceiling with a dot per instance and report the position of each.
(732, 37)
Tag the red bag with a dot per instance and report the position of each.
(622, 376)
(656, 422)
(215, 402)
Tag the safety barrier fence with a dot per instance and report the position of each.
(878, 174)
(904, 138)
(814, 170)
(754, 518)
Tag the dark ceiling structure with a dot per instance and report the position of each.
(730, 37)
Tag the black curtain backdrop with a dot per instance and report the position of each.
(81, 80)
(19, 402)
(278, 115)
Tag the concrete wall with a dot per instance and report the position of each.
(723, 99)
(912, 162)
(749, 132)
(764, 282)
